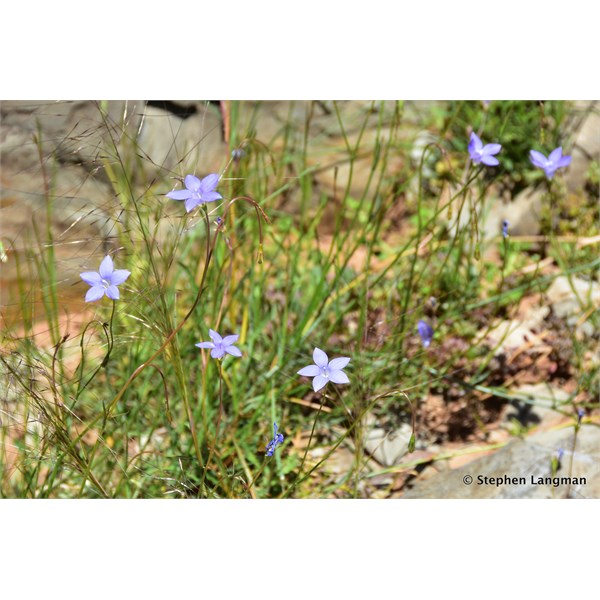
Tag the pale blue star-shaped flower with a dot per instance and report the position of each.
(555, 161)
(277, 439)
(325, 370)
(483, 154)
(104, 281)
(426, 332)
(198, 191)
(219, 345)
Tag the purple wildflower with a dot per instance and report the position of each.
(325, 370)
(198, 191)
(483, 154)
(104, 281)
(560, 454)
(219, 345)
(554, 161)
(505, 228)
(277, 439)
(426, 332)
(580, 414)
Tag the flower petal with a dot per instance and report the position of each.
(537, 158)
(564, 161)
(425, 331)
(191, 203)
(119, 276)
(338, 376)
(490, 161)
(209, 183)
(106, 267)
(310, 371)
(205, 345)
(94, 293)
(215, 337)
(179, 195)
(230, 339)
(320, 358)
(555, 155)
(339, 363)
(217, 352)
(492, 148)
(319, 382)
(211, 196)
(475, 143)
(233, 350)
(192, 183)
(112, 292)
(91, 277)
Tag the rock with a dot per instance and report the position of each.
(388, 449)
(508, 335)
(75, 131)
(177, 146)
(524, 212)
(586, 146)
(572, 296)
(526, 461)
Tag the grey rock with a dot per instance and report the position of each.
(586, 146)
(570, 296)
(526, 461)
(77, 131)
(171, 144)
(386, 448)
(508, 335)
(524, 212)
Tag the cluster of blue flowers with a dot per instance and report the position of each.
(197, 191)
(486, 155)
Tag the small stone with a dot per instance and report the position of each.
(388, 449)
(572, 296)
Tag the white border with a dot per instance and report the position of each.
(297, 549)
(269, 49)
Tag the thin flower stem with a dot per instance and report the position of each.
(312, 431)
(111, 336)
(108, 331)
(577, 427)
(219, 417)
(505, 257)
